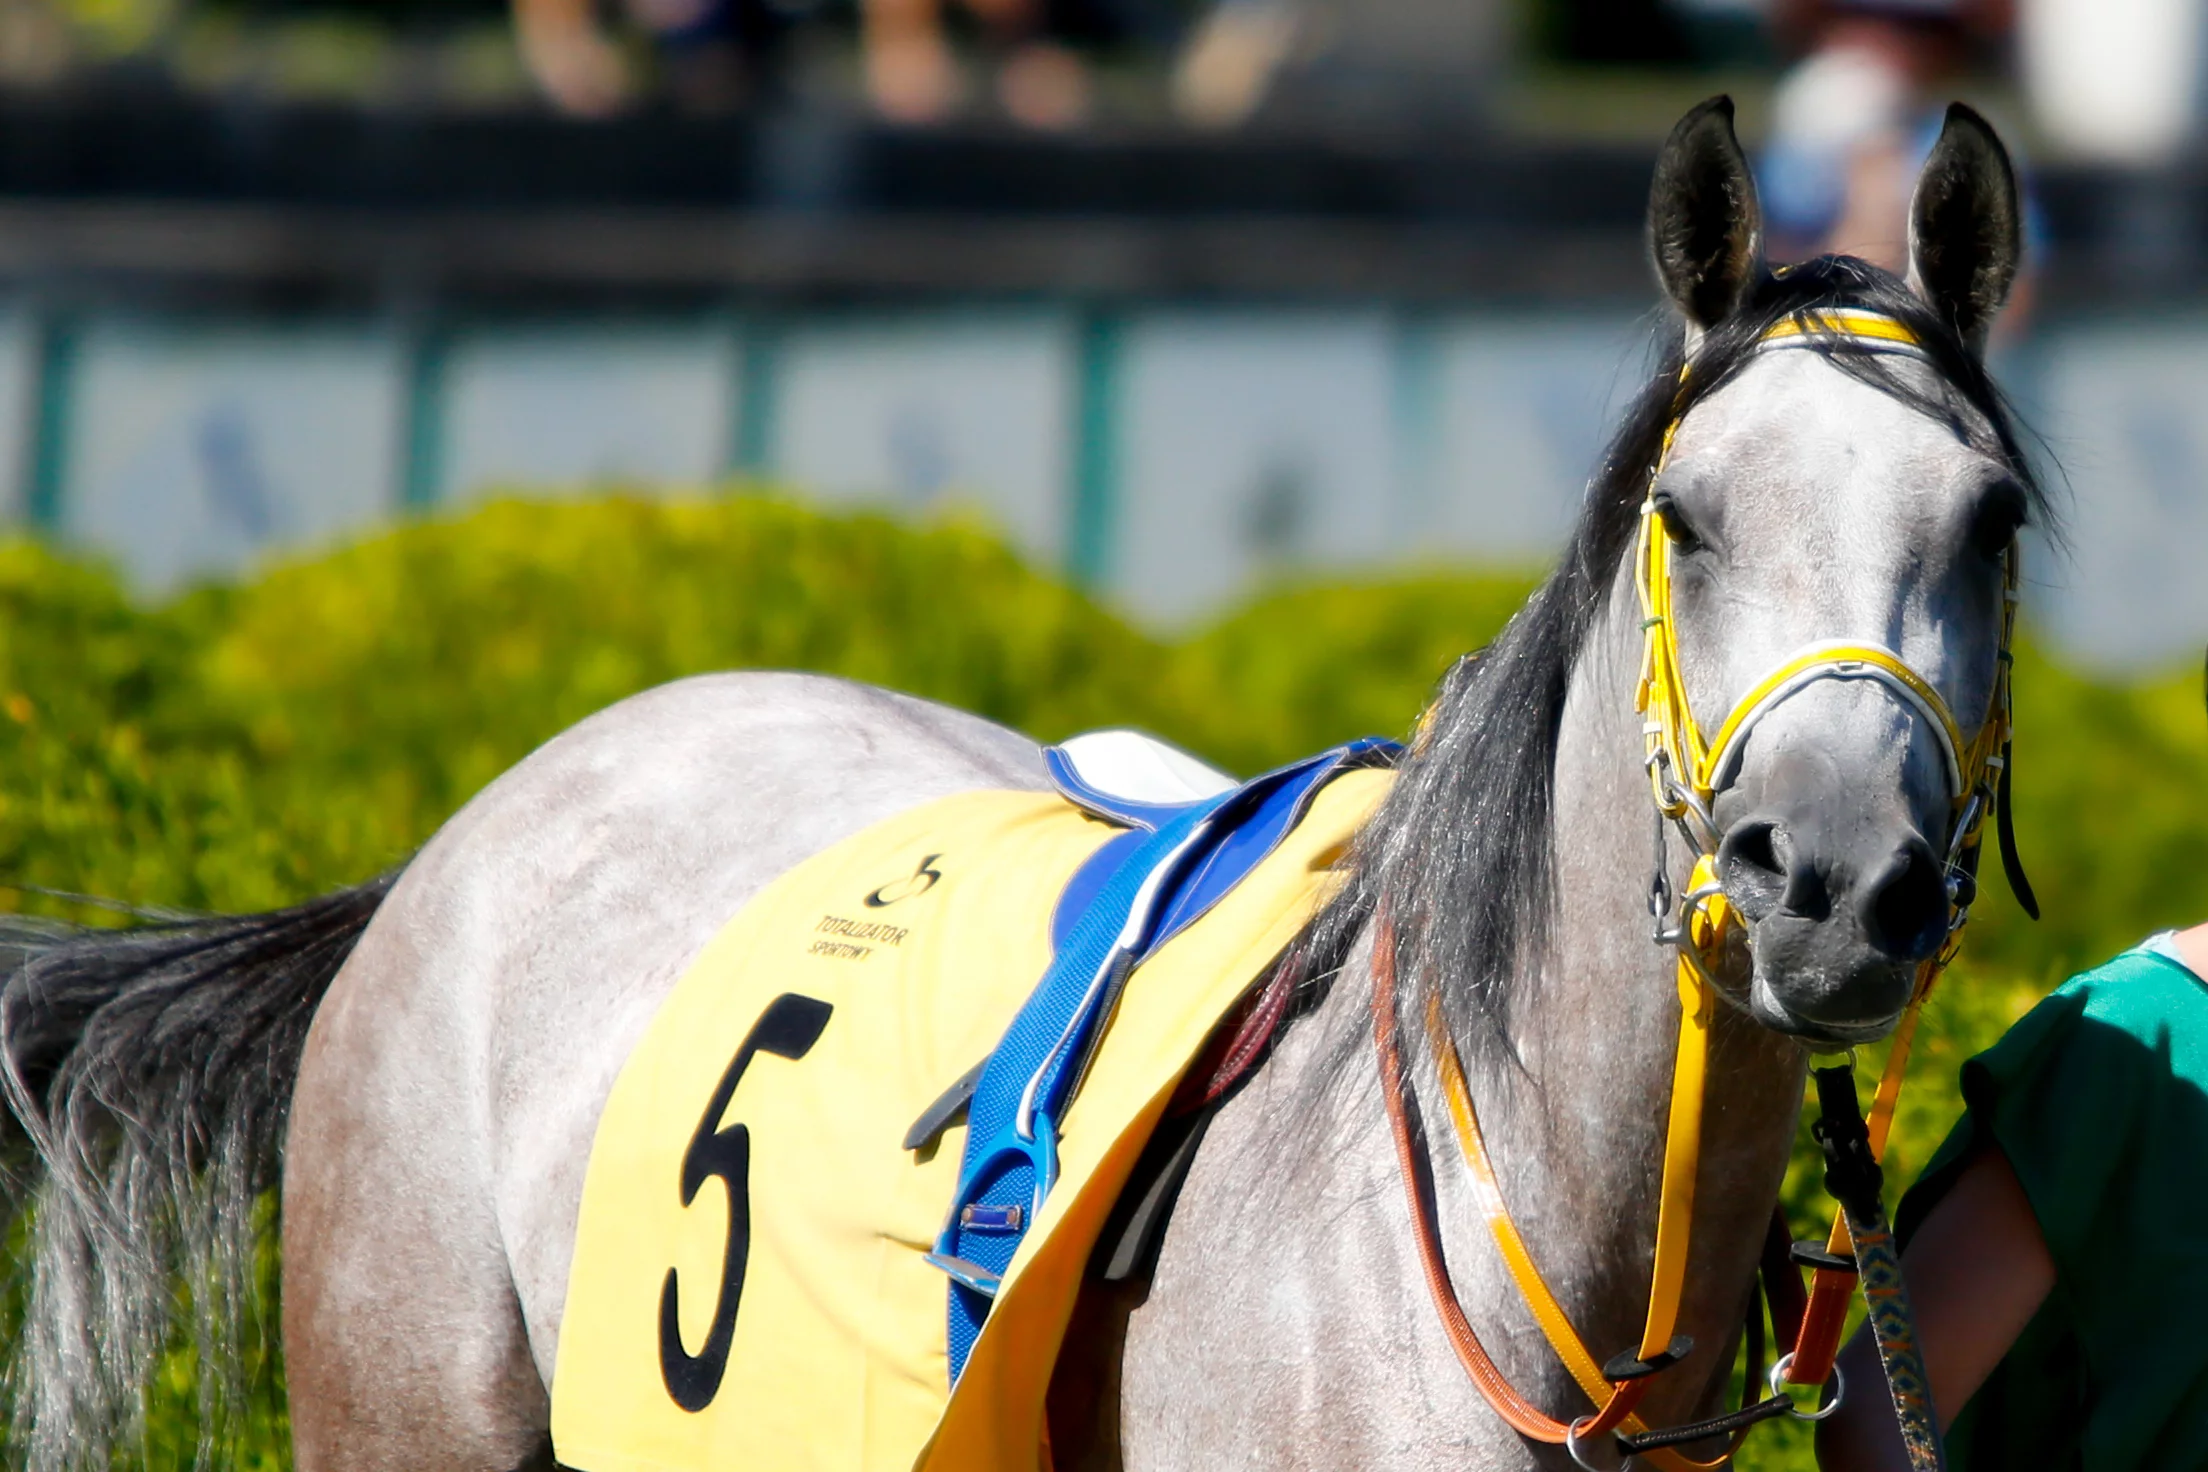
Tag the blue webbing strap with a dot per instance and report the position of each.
(1008, 1171)
(1010, 1161)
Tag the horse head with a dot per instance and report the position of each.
(1838, 477)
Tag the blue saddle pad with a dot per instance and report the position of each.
(1136, 893)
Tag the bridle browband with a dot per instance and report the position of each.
(1686, 771)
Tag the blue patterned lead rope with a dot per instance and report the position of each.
(1853, 1178)
(1893, 1326)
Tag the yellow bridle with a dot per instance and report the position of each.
(1686, 771)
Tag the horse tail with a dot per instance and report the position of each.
(149, 1071)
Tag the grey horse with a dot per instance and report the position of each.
(420, 1062)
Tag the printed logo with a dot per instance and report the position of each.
(846, 946)
(920, 881)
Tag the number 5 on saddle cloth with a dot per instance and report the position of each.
(1191, 838)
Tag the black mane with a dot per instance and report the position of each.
(1463, 843)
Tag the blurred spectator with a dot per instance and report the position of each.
(1232, 59)
(34, 42)
(1853, 121)
(709, 55)
(1040, 50)
(1411, 65)
(914, 77)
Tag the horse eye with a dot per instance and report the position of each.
(1676, 526)
(2001, 514)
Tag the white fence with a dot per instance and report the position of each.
(1173, 456)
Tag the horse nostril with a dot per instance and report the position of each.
(1905, 911)
(1749, 866)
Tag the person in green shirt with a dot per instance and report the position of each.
(2056, 1248)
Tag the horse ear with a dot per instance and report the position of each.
(1966, 232)
(1704, 227)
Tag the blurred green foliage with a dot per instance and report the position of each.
(249, 744)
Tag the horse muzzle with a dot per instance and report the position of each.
(1839, 923)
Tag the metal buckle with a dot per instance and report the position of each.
(1040, 1155)
(983, 1217)
(1962, 886)
(1678, 802)
(1572, 1446)
(1659, 885)
(1780, 1386)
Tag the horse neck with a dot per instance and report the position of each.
(1575, 1110)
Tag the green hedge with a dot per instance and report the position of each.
(252, 743)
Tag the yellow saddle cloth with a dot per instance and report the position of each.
(783, 1319)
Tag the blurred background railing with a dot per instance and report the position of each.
(1180, 295)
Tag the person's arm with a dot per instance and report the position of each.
(1977, 1270)
(2193, 946)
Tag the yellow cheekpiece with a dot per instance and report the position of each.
(808, 1335)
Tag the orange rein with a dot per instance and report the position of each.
(1615, 1401)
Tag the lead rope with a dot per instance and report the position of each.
(1853, 1178)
